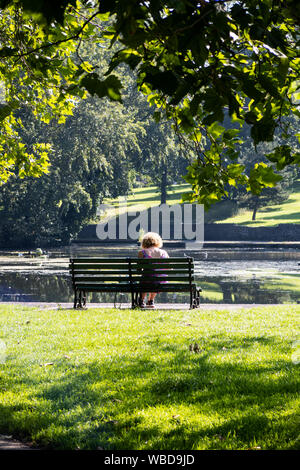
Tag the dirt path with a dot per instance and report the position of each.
(8, 443)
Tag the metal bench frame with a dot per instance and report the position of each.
(133, 276)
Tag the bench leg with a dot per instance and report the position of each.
(198, 297)
(194, 298)
(134, 299)
(79, 299)
(83, 299)
(76, 299)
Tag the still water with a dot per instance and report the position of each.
(263, 279)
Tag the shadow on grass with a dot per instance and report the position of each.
(292, 215)
(117, 402)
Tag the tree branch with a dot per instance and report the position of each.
(60, 41)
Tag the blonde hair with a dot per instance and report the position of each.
(151, 239)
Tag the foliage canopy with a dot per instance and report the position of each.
(199, 62)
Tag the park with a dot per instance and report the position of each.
(149, 148)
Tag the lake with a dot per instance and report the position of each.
(226, 276)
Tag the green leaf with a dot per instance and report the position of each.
(109, 87)
(7, 51)
(263, 130)
(128, 56)
(262, 176)
(281, 156)
(5, 111)
(163, 81)
(46, 10)
(268, 85)
(240, 15)
(215, 130)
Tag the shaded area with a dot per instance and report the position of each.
(87, 405)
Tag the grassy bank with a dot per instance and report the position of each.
(287, 212)
(123, 379)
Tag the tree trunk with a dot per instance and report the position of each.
(163, 187)
(255, 209)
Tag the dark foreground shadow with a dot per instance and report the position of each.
(118, 402)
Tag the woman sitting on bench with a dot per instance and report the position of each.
(151, 248)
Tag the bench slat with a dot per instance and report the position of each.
(117, 279)
(126, 268)
(104, 288)
(126, 260)
(100, 260)
(161, 277)
(161, 260)
(127, 279)
(125, 272)
(120, 288)
(98, 266)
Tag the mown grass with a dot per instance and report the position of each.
(287, 212)
(144, 198)
(123, 379)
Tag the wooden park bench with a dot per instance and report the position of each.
(133, 276)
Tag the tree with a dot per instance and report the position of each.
(195, 60)
(162, 157)
(91, 160)
(250, 156)
(35, 71)
(268, 196)
(198, 60)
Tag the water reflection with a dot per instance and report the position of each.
(260, 282)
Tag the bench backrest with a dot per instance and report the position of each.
(132, 270)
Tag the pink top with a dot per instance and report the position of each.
(154, 252)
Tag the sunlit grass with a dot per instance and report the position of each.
(286, 213)
(144, 198)
(128, 379)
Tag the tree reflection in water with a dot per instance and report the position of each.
(57, 287)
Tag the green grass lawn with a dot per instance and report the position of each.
(287, 212)
(144, 198)
(127, 379)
